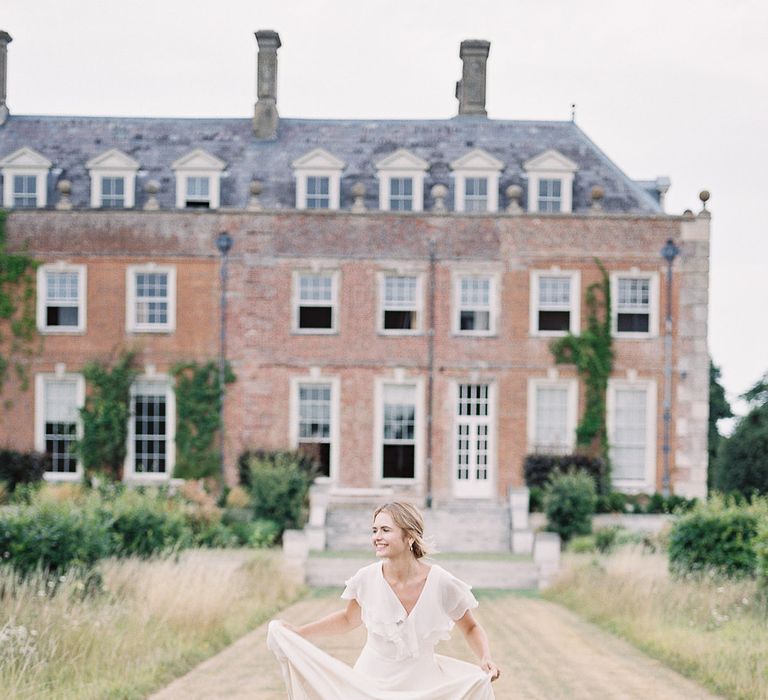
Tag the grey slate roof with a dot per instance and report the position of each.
(69, 142)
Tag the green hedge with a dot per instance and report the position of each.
(569, 502)
(716, 537)
(22, 467)
(538, 468)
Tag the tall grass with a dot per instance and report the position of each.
(710, 629)
(148, 621)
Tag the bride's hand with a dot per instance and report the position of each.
(289, 626)
(490, 668)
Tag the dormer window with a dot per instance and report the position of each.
(113, 180)
(550, 183)
(476, 177)
(198, 194)
(25, 179)
(401, 181)
(198, 180)
(318, 180)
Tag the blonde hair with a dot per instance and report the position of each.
(409, 519)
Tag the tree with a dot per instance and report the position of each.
(742, 459)
(718, 408)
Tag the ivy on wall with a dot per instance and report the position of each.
(17, 311)
(105, 415)
(198, 410)
(592, 353)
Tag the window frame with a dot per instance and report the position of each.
(25, 162)
(296, 304)
(653, 304)
(648, 482)
(494, 295)
(129, 471)
(317, 379)
(39, 418)
(113, 163)
(550, 165)
(534, 299)
(477, 163)
(418, 307)
(131, 325)
(571, 386)
(380, 384)
(401, 164)
(42, 294)
(198, 163)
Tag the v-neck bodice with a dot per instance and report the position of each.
(407, 612)
(393, 632)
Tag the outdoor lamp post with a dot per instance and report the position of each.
(669, 252)
(224, 244)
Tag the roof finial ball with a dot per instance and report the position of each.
(514, 193)
(358, 192)
(65, 189)
(704, 197)
(152, 188)
(597, 194)
(439, 193)
(254, 202)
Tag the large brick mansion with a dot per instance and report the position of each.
(394, 286)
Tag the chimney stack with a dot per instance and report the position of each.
(470, 90)
(265, 117)
(5, 39)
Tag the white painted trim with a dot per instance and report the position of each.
(476, 163)
(41, 185)
(318, 163)
(401, 163)
(82, 294)
(494, 301)
(419, 308)
(572, 387)
(550, 165)
(334, 274)
(462, 489)
(129, 473)
(653, 320)
(214, 187)
(129, 186)
(533, 296)
(378, 429)
(648, 483)
(131, 326)
(39, 413)
(293, 412)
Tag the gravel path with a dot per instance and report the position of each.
(545, 652)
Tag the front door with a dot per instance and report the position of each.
(473, 460)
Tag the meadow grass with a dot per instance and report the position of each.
(711, 630)
(147, 623)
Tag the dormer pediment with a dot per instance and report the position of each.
(25, 157)
(478, 159)
(402, 159)
(198, 159)
(551, 160)
(318, 159)
(113, 159)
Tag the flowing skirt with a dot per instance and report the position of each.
(311, 674)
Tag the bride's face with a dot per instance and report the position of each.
(388, 539)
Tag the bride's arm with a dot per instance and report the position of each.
(478, 642)
(335, 623)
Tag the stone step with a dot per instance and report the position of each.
(458, 527)
(508, 573)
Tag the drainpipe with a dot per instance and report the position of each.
(430, 365)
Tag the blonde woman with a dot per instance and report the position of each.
(407, 606)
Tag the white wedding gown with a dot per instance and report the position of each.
(398, 661)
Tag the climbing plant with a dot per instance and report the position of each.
(105, 415)
(17, 310)
(198, 411)
(592, 353)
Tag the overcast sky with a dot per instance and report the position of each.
(664, 87)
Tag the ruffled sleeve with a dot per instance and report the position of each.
(353, 587)
(456, 597)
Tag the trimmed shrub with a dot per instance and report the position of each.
(716, 537)
(613, 502)
(279, 486)
(22, 467)
(538, 468)
(535, 499)
(53, 537)
(569, 502)
(144, 526)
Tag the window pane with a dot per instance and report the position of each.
(399, 320)
(399, 462)
(113, 192)
(473, 400)
(315, 288)
(152, 298)
(150, 429)
(316, 317)
(549, 197)
(628, 448)
(474, 321)
(475, 291)
(400, 292)
(60, 416)
(551, 433)
(401, 194)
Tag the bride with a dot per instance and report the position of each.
(407, 606)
